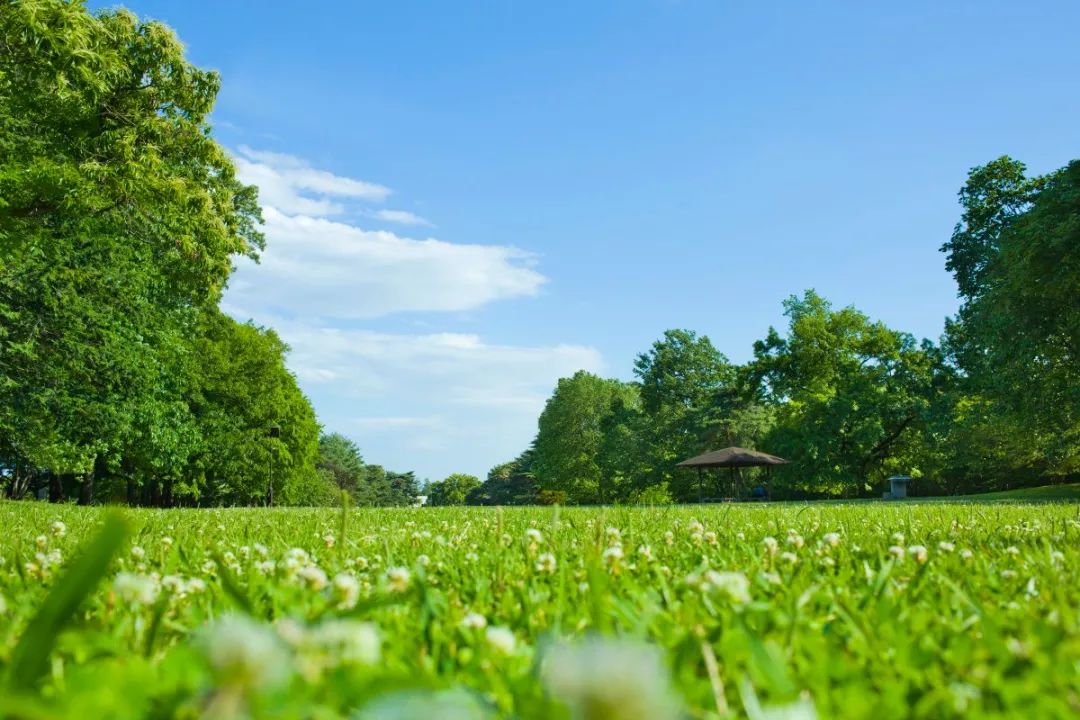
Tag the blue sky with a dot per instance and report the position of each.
(466, 201)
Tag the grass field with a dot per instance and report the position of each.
(883, 610)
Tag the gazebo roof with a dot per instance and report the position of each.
(732, 457)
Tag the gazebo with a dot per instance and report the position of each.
(732, 457)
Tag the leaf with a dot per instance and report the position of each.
(30, 657)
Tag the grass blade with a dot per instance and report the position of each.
(31, 655)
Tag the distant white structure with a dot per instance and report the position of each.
(421, 501)
(897, 488)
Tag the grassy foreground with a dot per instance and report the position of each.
(867, 610)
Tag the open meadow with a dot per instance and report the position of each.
(864, 610)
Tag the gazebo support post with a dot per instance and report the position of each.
(699, 486)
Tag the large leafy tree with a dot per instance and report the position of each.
(119, 218)
(1016, 258)
(510, 483)
(852, 396)
(570, 435)
(452, 490)
(682, 377)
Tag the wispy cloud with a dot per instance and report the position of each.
(434, 401)
(292, 186)
(401, 217)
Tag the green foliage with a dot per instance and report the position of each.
(511, 483)
(1017, 336)
(453, 490)
(571, 431)
(851, 395)
(854, 610)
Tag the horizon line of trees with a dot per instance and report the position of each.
(849, 401)
(121, 379)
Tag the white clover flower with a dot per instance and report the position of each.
(546, 563)
(474, 621)
(796, 540)
(245, 654)
(898, 538)
(58, 528)
(137, 552)
(896, 551)
(423, 560)
(1012, 550)
(710, 537)
(966, 554)
(195, 585)
(1056, 556)
(297, 556)
(166, 542)
(471, 557)
(329, 540)
(770, 544)
(501, 639)
(789, 558)
(919, 553)
(347, 642)
(695, 527)
(132, 588)
(733, 585)
(645, 551)
(174, 584)
(265, 567)
(613, 554)
(534, 536)
(831, 539)
(397, 579)
(614, 535)
(740, 536)
(313, 577)
(612, 680)
(261, 550)
(346, 591)
(208, 567)
(361, 563)
(42, 541)
(945, 546)
(669, 537)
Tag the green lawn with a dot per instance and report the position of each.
(859, 610)
(1066, 491)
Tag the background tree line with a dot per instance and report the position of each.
(120, 218)
(994, 404)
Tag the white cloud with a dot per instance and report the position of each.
(401, 217)
(288, 183)
(328, 268)
(321, 267)
(435, 402)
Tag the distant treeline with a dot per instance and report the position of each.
(120, 217)
(994, 404)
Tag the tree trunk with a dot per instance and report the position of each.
(132, 497)
(86, 490)
(167, 496)
(56, 488)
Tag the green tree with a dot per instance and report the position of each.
(570, 435)
(341, 463)
(119, 219)
(1017, 336)
(851, 396)
(510, 483)
(682, 377)
(453, 490)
